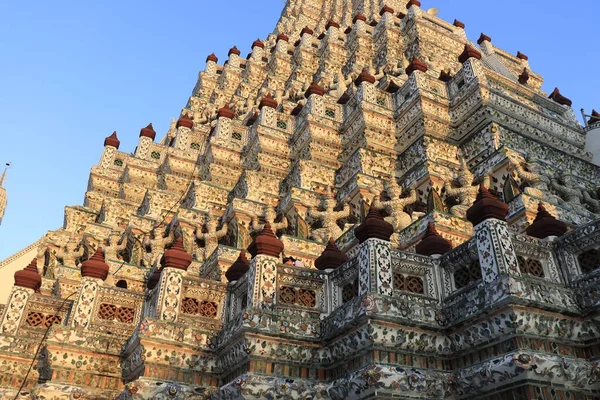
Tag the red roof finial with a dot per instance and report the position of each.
(416, 65)
(485, 207)
(258, 43)
(148, 132)
(469, 52)
(29, 277)
(226, 112)
(238, 268)
(374, 227)
(267, 101)
(545, 224)
(524, 77)
(96, 267)
(314, 88)
(212, 57)
(186, 121)
(176, 257)
(364, 76)
(459, 24)
(433, 243)
(112, 140)
(266, 243)
(559, 98)
(234, 50)
(331, 257)
(484, 38)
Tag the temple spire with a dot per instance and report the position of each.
(3, 196)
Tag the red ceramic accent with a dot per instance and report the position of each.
(392, 87)
(297, 110)
(234, 50)
(333, 24)
(416, 65)
(432, 243)
(559, 98)
(186, 121)
(95, 267)
(413, 3)
(29, 277)
(258, 43)
(459, 24)
(486, 207)
(176, 257)
(283, 37)
(594, 118)
(267, 243)
(484, 38)
(331, 258)
(343, 99)
(524, 77)
(306, 29)
(374, 227)
(364, 76)
(445, 77)
(401, 15)
(212, 57)
(314, 88)
(522, 56)
(148, 132)
(267, 101)
(112, 140)
(226, 112)
(545, 225)
(238, 268)
(252, 119)
(359, 17)
(469, 52)
(386, 9)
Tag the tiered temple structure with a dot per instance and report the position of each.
(369, 205)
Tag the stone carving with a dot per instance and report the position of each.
(396, 205)
(269, 216)
(592, 202)
(153, 246)
(328, 218)
(71, 252)
(466, 192)
(211, 236)
(571, 194)
(531, 173)
(114, 244)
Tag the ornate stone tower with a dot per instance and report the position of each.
(368, 205)
(3, 196)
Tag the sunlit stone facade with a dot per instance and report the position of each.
(420, 220)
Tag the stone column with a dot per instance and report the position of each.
(497, 255)
(111, 145)
(147, 136)
(93, 273)
(27, 282)
(184, 132)
(176, 262)
(315, 104)
(374, 255)
(262, 278)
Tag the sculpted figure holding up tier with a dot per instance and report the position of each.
(115, 243)
(270, 215)
(570, 193)
(531, 173)
(156, 243)
(211, 237)
(466, 192)
(593, 203)
(395, 206)
(328, 218)
(49, 266)
(70, 252)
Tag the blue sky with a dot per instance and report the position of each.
(72, 72)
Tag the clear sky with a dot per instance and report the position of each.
(72, 72)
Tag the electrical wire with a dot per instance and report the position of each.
(40, 346)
